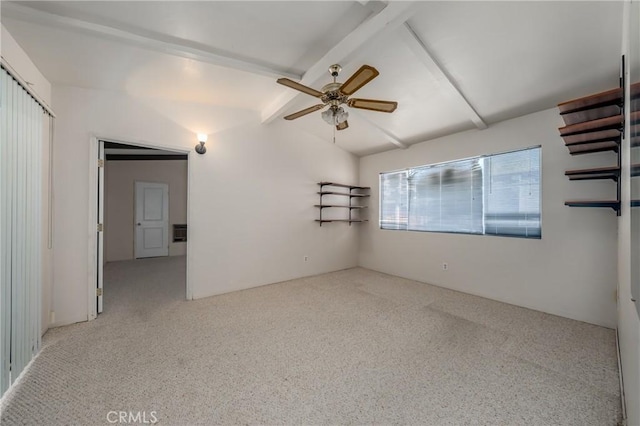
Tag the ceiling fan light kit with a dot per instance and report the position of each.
(336, 94)
(335, 115)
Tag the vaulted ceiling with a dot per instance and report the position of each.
(451, 65)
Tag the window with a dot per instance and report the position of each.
(493, 194)
(394, 200)
(512, 194)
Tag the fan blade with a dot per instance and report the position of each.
(342, 126)
(365, 74)
(373, 105)
(304, 112)
(300, 87)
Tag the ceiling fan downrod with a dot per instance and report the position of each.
(334, 70)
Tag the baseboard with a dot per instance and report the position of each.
(622, 398)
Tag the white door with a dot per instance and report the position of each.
(152, 219)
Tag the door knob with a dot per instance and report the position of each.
(138, 223)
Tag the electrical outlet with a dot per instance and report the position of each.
(445, 266)
(306, 258)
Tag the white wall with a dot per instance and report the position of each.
(120, 178)
(570, 272)
(20, 63)
(628, 320)
(26, 69)
(251, 196)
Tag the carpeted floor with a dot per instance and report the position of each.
(349, 347)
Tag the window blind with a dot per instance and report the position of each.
(493, 194)
(394, 200)
(21, 125)
(512, 193)
(446, 197)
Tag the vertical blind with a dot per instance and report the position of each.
(493, 194)
(21, 125)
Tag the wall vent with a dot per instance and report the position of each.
(179, 233)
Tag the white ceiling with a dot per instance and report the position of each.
(451, 65)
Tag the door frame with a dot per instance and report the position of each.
(100, 233)
(94, 275)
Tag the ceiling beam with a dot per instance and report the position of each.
(413, 41)
(388, 136)
(162, 43)
(388, 19)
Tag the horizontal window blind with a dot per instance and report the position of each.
(446, 197)
(512, 194)
(394, 200)
(493, 194)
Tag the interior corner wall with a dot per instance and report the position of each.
(251, 196)
(120, 178)
(22, 64)
(570, 272)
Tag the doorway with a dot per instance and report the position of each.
(141, 198)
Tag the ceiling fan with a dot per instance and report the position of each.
(335, 94)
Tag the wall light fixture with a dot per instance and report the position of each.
(200, 148)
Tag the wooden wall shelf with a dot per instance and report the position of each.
(324, 206)
(341, 220)
(342, 185)
(593, 124)
(591, 114)
(610, 97)
(613, 204)
(594, 107)
(360, 193)
(612, 172)
(342, 193)
(593, 147)
(613, 123)
(611, 135)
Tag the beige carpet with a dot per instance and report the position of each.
(349, 347)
